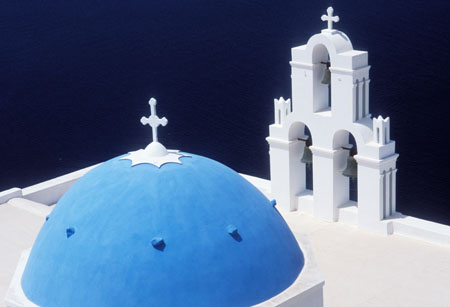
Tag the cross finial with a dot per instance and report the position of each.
(153, 120)
(330, 18)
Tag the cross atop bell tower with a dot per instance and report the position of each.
(330, 18)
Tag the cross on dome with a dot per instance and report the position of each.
(153, 120)
(330, 18)
(155, 153)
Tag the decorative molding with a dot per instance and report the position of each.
(281, 144)
(376, 164)
(350, 72)
(303, 65)
(323, 152)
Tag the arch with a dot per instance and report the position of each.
(320, 54)
(341, 137)
(297, 130)
(334, 45)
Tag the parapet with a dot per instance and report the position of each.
(282, 109)
(381, 130)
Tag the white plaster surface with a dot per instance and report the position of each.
(20, 222)
(367, 269)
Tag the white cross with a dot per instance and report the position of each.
(153, 120)
(330, 18)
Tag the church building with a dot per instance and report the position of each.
(160, 227)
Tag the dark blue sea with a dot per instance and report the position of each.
(76, 77)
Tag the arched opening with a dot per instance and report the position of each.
(309, 167)
(322, 79)
(353, 182)
(347, 168)
(303, 172)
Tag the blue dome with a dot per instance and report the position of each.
(190, 234)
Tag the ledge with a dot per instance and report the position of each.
(412, 227)
(50, 191)
(15, 296)
(9, 194)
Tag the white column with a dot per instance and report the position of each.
(366, 101)
(381, 194)
(328, 192)
(393, 190)
(373, 192)
(387, 194)
(360, 99)
(287, 173)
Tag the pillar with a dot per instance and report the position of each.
(287, 173)
(376, 195)
(328, 192)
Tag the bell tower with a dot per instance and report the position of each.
(330, 96)
(349, 71)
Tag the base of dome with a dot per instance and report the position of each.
(15, 297)
(307, 289)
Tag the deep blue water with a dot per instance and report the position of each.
(76, 77)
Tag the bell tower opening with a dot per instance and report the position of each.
(307, 158)
(353, 181)
(346, 168)
(327, 79)
(309, 167)
(322, 79)
(303, 156)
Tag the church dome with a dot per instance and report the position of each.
(192, 233)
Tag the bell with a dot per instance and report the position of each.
(307, 156)
(326, 77)
(351, 170)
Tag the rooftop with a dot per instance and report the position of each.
(360, 268)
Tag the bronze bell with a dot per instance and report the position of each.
(351, 170)
(307, 156)
(326, 77)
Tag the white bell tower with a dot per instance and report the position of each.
(330, 96)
